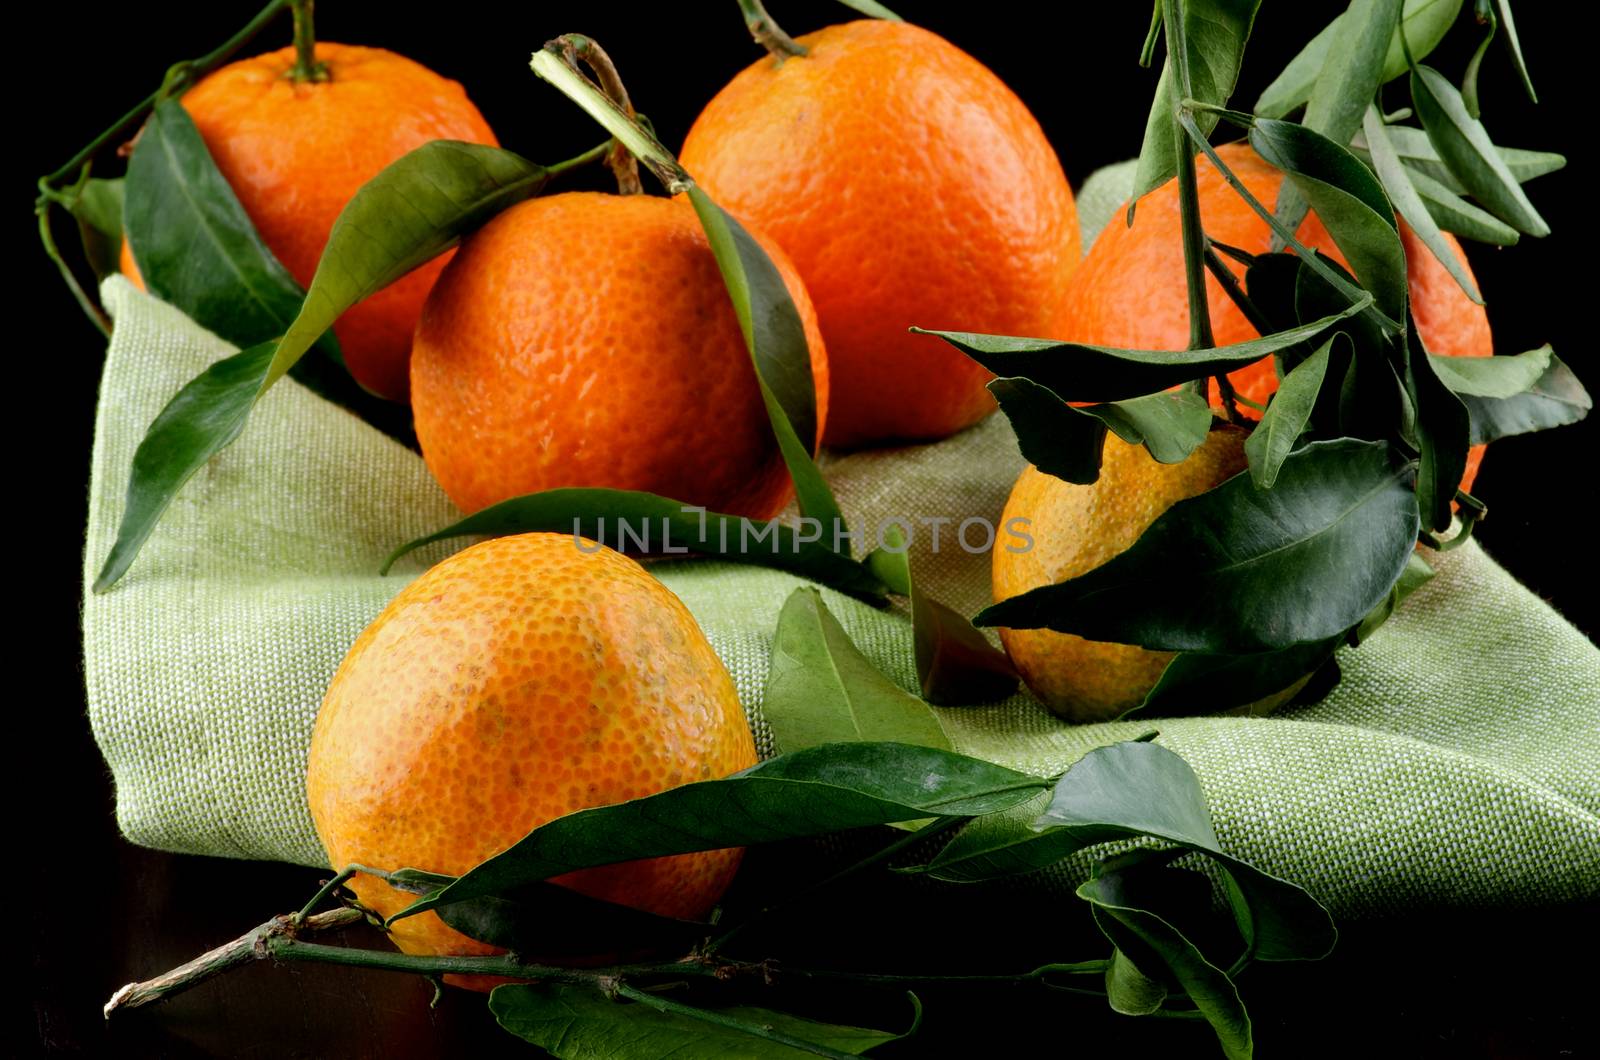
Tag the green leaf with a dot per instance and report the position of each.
(1079, 372)
(956, 664)
(1418, 152)
(1129, 991)
(645, 522)
(1214, 34)
(872, 9)
(1286, 416)
(1442, 428)
(1408, 203)
(1557, 399)
(1171, 424)
(813, 792)
(98, 211)
(1197, 683)
(1351, 75)
(1424, 22)
(1464, 146)
(1493, 377)
(580, 1023)
(1260, 569)
(1120, 907)
(1415, 575)
(1349, 201)
(1051, 435)
(416, 208)
(1454, 214)
(821, 689)
(777, 343)
(204, 417)
(1510, 26)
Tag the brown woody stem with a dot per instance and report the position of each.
(575, 48)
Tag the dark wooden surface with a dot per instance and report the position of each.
(97, 912)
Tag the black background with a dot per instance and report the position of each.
(98, 912)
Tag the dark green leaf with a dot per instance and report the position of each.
(1469, 78)
(821, 689)
(1424, 22)
(1079, 372)
(1557, 399)
(956, 664)
(813, 792)
(1442, 429)
(1454, 214)
(644, 522)
(872, 9)
(549, 923)
(580, 1023)
(777, 343)
(1464, 146)
(98, 211)
(1260, 569)
(1171, 424)
(1120, 905)
(1417, 573)
(1214, 33)
(416, 208)
(1129, 991)
(1493, 377)
(1286, 416)
(1418, 152)
(1409, 203)
(1510, 26)
(1052, 435)
(1349, 201)
(1351, 74)
(1195, 683)
(205, 416)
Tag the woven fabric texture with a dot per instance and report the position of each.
(1458, 764)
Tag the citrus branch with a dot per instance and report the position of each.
(576, 48)
(768, 33)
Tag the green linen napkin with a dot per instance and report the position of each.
(1458, 764)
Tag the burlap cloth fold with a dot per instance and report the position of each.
(1458, 764)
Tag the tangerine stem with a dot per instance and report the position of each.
(306, 67)
(575, 49)
(1194, 237)
(768, 33)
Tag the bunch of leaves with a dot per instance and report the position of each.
(1359, 453)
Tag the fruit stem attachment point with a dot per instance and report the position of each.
(553, 64)
(768, 33)
(576, 48)
(306, 67)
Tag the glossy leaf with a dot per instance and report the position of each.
(202, 420)
(1418, 152)
(581, 1023)
(1424, 22)
(1348, 200)
(1120, 907)
(416, 208)
(630, 520)
(1196, 683)
(1442, 430)
(1494, 377)
(776, 340)
(1079, 372)
(1465, 147)
(98, 212)
(1557, 399)
(1214, 33)
(1415, 575)
(1170, 425)
(1286, 417)
(1454, 214)
(1351, 75)
(821, 689)
(1129, 991)
(812, 792)
(1408, 203)
(1260, 569)
(1053, 436)
(956, 664)
(1508, 26)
